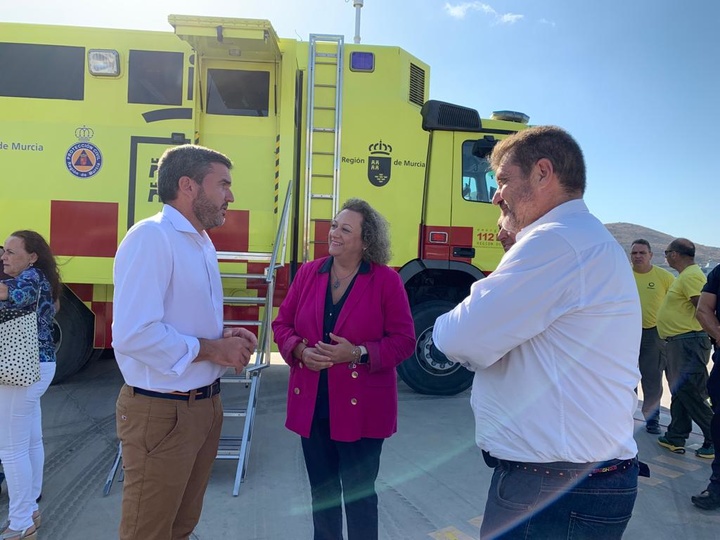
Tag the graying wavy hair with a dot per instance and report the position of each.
(375, 231)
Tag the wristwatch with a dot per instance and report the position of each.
(360, 354)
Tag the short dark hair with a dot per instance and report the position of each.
(35, 243)
(375, 231)
(527, 147)
(642, 242)
(185, 160)
(682, 246)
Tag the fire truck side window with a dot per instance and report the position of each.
(238, 92)
(155, 78)
(478, 181)
(42, 71)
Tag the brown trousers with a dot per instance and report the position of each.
(168, 447)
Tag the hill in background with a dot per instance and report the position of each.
(625, 233)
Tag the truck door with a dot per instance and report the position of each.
(236, 111)
(473, 186)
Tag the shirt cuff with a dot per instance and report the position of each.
(193, 349)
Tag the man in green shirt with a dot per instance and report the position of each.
(652, 283)
(687, 352)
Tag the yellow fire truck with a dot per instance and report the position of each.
(86, 113)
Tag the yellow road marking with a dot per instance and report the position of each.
(677, 462)
(657, 469)
(649, 481)
(449, 533)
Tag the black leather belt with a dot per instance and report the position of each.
(566, 469)
(198, 393)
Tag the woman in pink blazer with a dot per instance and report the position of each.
(343, 328)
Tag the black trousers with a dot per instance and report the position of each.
(713, 387)
(342, 471)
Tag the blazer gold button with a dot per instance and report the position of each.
(297, 391)
(354, 374)
(353, 401)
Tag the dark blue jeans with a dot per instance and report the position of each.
(526, 505)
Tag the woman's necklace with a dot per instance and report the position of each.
(336, 282)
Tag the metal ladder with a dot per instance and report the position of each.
(324, 113)
(238, 447)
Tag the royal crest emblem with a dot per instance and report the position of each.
(379, 163)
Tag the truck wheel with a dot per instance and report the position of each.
(73, 332)
(430, 372)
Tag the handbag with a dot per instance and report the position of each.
(19, 346)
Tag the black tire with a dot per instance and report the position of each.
(428, 371)
(73, 331)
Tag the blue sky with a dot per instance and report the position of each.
(636, 82)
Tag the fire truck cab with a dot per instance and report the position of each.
(87, 112)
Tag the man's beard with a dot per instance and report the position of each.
(206, 212)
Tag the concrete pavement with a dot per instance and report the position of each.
(432, 482)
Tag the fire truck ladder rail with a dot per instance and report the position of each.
(233, 447)
(324, 114)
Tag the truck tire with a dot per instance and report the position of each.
(73, 332)
(429, 372)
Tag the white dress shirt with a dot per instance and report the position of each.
(553, 336)
(168, 293)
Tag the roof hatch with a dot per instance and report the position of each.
(218, 37)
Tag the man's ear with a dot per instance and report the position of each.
(544, 170)
(186, 185)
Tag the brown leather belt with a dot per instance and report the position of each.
(198, 393)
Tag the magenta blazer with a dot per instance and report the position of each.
(376, 314)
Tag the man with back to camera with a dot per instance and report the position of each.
(171, 347)
(652, 283)
(554, 415)
(708, 314)
(687, 352)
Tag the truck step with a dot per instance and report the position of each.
(244, 300)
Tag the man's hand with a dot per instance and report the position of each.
(233, 350)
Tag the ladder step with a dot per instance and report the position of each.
(318, 108)
(242, 323)
(235, 413)
(321, 175)
(325, 55)
(244, 300)
(321, 85)
(323, 154)
(244, 256)
(322, 196)
(323, 130)
(244, 276)
(235, 379)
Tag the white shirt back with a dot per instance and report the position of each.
(553, 336)
(168, 293)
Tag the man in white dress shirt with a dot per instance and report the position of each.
(171, 347)
(553, 337)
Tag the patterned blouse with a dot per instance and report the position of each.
(23, 293)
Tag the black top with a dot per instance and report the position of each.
(322, 401)
(713, 287)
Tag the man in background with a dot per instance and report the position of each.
(687, 352)
(708, 314)
(505, 237)
(652, 283)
